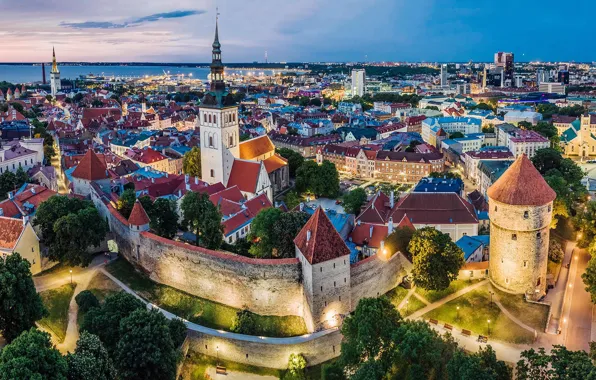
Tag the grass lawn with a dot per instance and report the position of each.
(435, 295)
(396, 295)
(199, 310)
(195, 367)
(474, 311)
(414, 304)
(56, 302)
(532, 314)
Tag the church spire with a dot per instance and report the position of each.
(54, 63)
(217, 68)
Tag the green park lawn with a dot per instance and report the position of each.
(195, 367)
(531, 314)
(435, 295)
(475, 309)
(396, 295)
(57, 302)
(413, 305)
(199, 310)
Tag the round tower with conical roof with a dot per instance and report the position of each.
(520, 212)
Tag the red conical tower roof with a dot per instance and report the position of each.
(90, 168)
(319, 241)
(522, 185)
(138, 216)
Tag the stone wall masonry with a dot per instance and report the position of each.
(374, 276)
(316, 349)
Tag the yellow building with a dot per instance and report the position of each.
(17, 235)
(578, 140)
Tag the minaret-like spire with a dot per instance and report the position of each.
(54, 63)
(217, 68)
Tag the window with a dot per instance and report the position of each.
(339, 298)
(538, 235)
(321, 287)
(495, 208)
(513, 236)
(212, 173)
(507, 280)
(526, 214)
(321, 269)
(210, 118)
(211, 141)
(231, 142)
(334, 284)
(525, 263)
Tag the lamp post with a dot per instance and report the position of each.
(488, 325)
(457, 317)
(407, 306)
(71, 276)
(217, 353)
(491, 296)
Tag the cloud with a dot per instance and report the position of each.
(130, 23)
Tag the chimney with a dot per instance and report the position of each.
(10, 195)
(392, 199)
(301, 206)
(382, 246)
(307, 236)
(167, 175)
(196, 180)
(152, 180)
(186, 177)
(358, 222)
(371, 231)
(390, 226)
(33, 190)
(179, 193)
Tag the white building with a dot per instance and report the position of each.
(465, 125)
(444, 75)
(358, 82)
(55, 83)
(25, 153)
(553, 88)
(515, 117)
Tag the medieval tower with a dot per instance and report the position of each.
(520, 212)
(55, 83)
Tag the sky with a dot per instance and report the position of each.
(296, 30)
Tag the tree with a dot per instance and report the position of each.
(555, 251)
(275, 231)
(369, 336)
(585, 220)
(560, 364)
(191, 165)
(436, 259)
(86, 300)
(292, 199)
(456, 135)
(285, 230)
(49, 152)
(53, 209)
(8, 183)
(75, 233)
(295, 159)
(32, 356)
(296, 367)
(354, 200)
(326, 183)
(164, 218)
(446, 175)
(126, 202)
(178, 331)
(90, 360)
(304, 101)
(202, 218)
(333, 371)
(589, 276)
(244, 322)
(145, 349)
(104, 321)
(20, 305)
(399, 240)
(21, 177)
(261, 230)
(305, 176)
(479, 365)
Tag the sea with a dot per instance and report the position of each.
(33, 73)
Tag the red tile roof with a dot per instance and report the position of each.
(90, 168)
(405, 222)
(377, 210)
(522, 184)
(274, 162)
(435, 208)
(231, 193)
(370, 235)
(245, 175)
(10, 231)
(319, 241)
(138, 216)
(256, 147)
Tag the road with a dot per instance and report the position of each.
(579, 307)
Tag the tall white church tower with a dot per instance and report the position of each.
(218, 123)
(55, 75)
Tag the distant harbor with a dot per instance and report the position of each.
(32, 73)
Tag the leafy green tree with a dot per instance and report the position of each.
(75, 233)
(304, 101)
(285, 230)
(333, 371)
(585, 220)
(369, 336)
(295, 159)
(86, 300)
(90, 360)
(547, 110)
(49, 152)
(164, 218)
(145, 349)
(479, 365)
(484, 106)
(589, 276)
(104, 321)
(447, 175)
(261, 230)
(560, 364)
(436, 259)
(292, 199)
(456, 135)
(191, 165)
(32, 356)
(306, 175)
(21, 177)
(275, 231)
(354, 200)
(326, 183)
(296, 368)
(20, 305)
(178, 331)
(203, 218)
(53, 209)
(126, 202)
(244, 322)
(8, 183)
(555, 251)
(399, 240)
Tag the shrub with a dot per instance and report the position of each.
(244, 322)
(86, 301)
(555, 251)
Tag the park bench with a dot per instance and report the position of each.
(482, 339)
(466, 332)
(433, 321)
(221, 370)
(448, 327)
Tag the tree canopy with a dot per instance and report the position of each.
(90, 360)
(274, 231)
(399, 240)
(203, 218)
(320, 180)
(558, 365)
(295, 159)
(436, 259)
(126, 202)
(354, 200)
(20, 305)
(191, 164)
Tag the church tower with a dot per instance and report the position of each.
(55, 75)
(218, 123)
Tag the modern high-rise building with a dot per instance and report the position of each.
(443, 75)
(505, 60)
(519, 81)
(563, 77)
(541, 77)
(55, 83)
(358, 82)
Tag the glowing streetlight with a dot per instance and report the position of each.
(457, 317)
(70, 276)
(488, 325)
(407, 306)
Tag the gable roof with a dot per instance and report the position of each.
(138, 216)
(10, 231)
(245, 175)
(435, 208)
(250, 149)
(90, 168)
(522, 184)
(319, 241)
(274, 162)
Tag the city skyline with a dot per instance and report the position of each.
(380, 30)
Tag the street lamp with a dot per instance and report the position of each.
(491, 296)
(407, 306)
(217, 353)
(488, 325)
(71, 276)
(457, 317)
